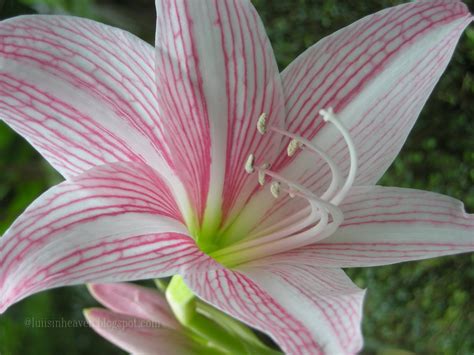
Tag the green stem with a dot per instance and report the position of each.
(230, 324)
(216, 329)
(161, 284)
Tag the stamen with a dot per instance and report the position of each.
(330, 194)
(261, 173)
(261, 123)
(249, 164)
(275, 188)
(319, 231)
(298, 190)
(275, 227)
(317, 221)
(285, 239)
(307, 145)
(293, 147)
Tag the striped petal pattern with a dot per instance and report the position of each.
(237, 295)
(387, 225)
(306, 310)
(377, 74)
(109, 112)
(324, 300)
(138, 335)
(81, 92)
(113, 223)
(216, 74)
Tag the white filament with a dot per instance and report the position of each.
(307, 145)
(290, 220)
(285, 239)
(316, 222)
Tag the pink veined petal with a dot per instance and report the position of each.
(216, 74)
(83, 94)
(387, 225)
(113, 223)
(237, 295)
(136, 301)
(137, 335)
(324, 300)
(80, 92)
(377, 74)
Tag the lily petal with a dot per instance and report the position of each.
(306, 310)
(324, 300)
(82, 93)
(136, 335)
(387, 225)
(113, 223)
(216, 74)
(136, 301)
(377, 74)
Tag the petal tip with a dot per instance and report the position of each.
(88, 313)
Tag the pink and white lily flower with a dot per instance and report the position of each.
(164, 151)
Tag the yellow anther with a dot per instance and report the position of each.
(261, 174)
(293, 146)
(262, 123)
(249, 168)
(275, 189)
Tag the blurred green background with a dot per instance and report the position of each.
(424, 307)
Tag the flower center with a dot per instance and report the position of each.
(317, 221)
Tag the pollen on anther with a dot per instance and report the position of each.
(293, 146)
(262, 174)
(275, 189)
(262, 123)
(249, 168)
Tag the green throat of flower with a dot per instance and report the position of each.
(241, 242)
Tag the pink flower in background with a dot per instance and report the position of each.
(164, 151)
(138, 320)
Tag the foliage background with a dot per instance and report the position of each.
(424, 307)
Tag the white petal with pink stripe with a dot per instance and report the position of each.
(377, 74)
(81, 92)
(305, 309)
(386, 225)
(113, 223)
(216, 74)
